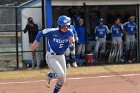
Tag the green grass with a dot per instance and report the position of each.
(72, 72)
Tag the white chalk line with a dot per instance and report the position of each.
(95, 77)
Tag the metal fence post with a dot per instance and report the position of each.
(16, 26)
(138, 38)
(43, 27)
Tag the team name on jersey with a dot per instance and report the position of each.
(101, 29)
(116, 28)
(60, 41)
(131, 26)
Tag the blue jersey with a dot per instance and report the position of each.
(130, 27)
(101, 31)
(72, 29)
(116, 30)
(81, 34)
(57, 41)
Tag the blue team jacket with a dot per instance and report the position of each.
(81, 34)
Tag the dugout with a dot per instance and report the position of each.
(92, 10)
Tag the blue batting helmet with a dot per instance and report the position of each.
(101, 20)
(69, 19)
(63, 21)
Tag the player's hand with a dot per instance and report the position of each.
(125, 33)
(76, 39)
(33, 46)
(70, 41)
(96, 38)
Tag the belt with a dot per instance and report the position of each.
(57, 53)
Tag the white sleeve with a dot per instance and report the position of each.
(121, 26)
(108, 31)
(111, 29)
(45, 31)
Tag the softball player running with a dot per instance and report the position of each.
(100, 32)
(130, 28)
(116, 31)
(68, 52)
(58, 40)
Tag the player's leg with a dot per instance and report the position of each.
(32, 58)
(37, 58)
(132, 49)
(103, 42)
(96, 50)
(112, 52)
(128, 39)
(61, 79)
(79, 53)
(83, 54)
(67, 56)
(74, 63)
(119, 41)
(55, 66)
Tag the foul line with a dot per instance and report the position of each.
(96, 77)
(106, 76)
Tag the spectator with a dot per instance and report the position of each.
(32, 30)
(81, 42)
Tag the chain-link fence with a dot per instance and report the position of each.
(14, 43)
(7, 36)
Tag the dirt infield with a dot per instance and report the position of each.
(126, 83)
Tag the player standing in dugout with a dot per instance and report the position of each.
(117, 32)
(130, 29)
(100, 35)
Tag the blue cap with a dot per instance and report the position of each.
(101, 20)
(63, 21)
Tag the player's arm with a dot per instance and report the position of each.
(35, 43)
(71, 46)
(71, 41)
(135, 29)
(78, 34)
(75, 35)
(124, 26)
(26, 29)
(111, 29)
(37, 39)
(96, 34)
(107, 29)
(122, 29)
(36, 27)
